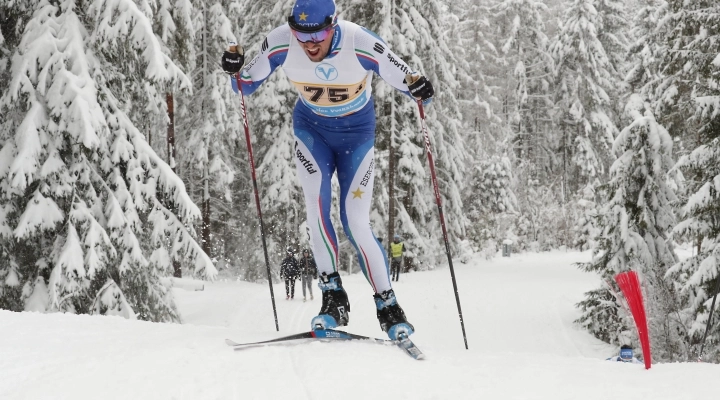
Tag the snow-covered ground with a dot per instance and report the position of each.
(518, 316)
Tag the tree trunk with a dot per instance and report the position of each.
(206, 209)
(177, 272)
(565, 160)
(206, 171)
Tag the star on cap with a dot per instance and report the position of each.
(303, 16)
(357, 194)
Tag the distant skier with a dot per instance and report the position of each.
(331, 63)
(289, 271)
(308, 272)
(626, 355)
(397, 248)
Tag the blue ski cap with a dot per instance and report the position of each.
(312, 15)
(396, 237)
(626, 354)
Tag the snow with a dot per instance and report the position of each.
(518, 312)
(42, 212)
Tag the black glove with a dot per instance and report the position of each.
(419, 87)
(232, 62)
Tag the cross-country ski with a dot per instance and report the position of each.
(403, 343)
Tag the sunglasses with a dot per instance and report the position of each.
(315, 37)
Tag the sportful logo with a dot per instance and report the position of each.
(309, 166)
(252, 63)
(326, 72)
(397, 63)
(378, 48)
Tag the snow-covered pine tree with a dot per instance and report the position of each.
(474, 51)
(12, 16)
(493, 205)
(698, 45)
(585, 229)
(211, 125)
(635, 224)
(544, 222)
(486, 135)
(698, 274)
(672, 98)
(527, 79)
(172, 23)
(612, 32)
(646, 50)
(584, 77)
(524, 79)
(270, 117)
(80, 184)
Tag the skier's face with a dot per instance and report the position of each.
(317, 51)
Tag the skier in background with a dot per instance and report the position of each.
(397, 248)
(289, 271)
(626, 355)
(331, 63)
(308, 272)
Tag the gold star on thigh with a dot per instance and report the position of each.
(357, 194)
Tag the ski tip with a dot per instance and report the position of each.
(409, 347)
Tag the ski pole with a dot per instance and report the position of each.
(257, 196)
(426, 137)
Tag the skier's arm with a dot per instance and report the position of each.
(272, 55)
(375, 55)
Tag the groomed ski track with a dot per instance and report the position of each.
(518, 314)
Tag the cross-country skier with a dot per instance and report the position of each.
(397, 248)
(626, 355)
(331, 63)
(289, 270)
(308, 272)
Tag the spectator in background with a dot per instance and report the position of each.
(397, 247)
(308, 272)
(289, 271)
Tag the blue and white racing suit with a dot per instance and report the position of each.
(334, 124)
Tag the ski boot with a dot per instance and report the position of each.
(391, 316)
(335, 307)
